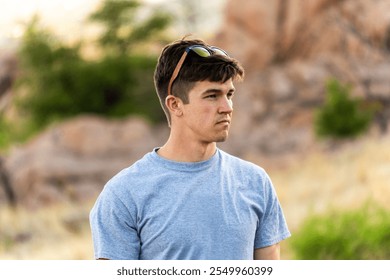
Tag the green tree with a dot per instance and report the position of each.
(123, 30)
(341, 116)
(61, 83)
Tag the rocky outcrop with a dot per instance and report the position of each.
(261, 33)
(73, 161)
(290, 48)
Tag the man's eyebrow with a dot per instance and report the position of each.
(218, 90)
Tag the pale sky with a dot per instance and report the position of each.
(66, 17)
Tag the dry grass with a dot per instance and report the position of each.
(60, 232)
(343, 179)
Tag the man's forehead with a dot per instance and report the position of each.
(214, 86)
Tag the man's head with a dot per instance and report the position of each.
(191, 65)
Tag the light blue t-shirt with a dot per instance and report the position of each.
(221, 208)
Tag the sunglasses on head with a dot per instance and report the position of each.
(200, 50)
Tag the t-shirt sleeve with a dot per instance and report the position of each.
(272, 227)
(114, 231)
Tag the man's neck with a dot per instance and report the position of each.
(187, 151)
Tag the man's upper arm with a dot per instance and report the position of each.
(114, 233)
(268, 253)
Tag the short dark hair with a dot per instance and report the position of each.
(215, 68)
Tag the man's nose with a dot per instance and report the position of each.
(226, 106)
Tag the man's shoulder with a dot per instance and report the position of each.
(135, 172)
(240, 163)
(246, 172)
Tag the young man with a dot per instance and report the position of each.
(188, 199)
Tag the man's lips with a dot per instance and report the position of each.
(223, 122)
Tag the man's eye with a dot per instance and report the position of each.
(230, 95)
(211, 96)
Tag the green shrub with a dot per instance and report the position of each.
(356, 235)
(114, 86)
(341, 116)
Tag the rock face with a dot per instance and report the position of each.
(261, 33)
(74, 160)
(290, 48)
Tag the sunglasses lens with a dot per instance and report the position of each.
(201, 51)
(219, 51)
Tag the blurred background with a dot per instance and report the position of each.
(77, 105)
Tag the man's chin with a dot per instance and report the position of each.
(221, 138)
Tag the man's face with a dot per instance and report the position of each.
(208, 114)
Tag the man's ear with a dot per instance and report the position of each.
(174, 105)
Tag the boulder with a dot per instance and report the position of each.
(72, 161)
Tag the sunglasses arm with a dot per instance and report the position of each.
(176, 72)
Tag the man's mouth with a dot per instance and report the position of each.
(223, 122)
